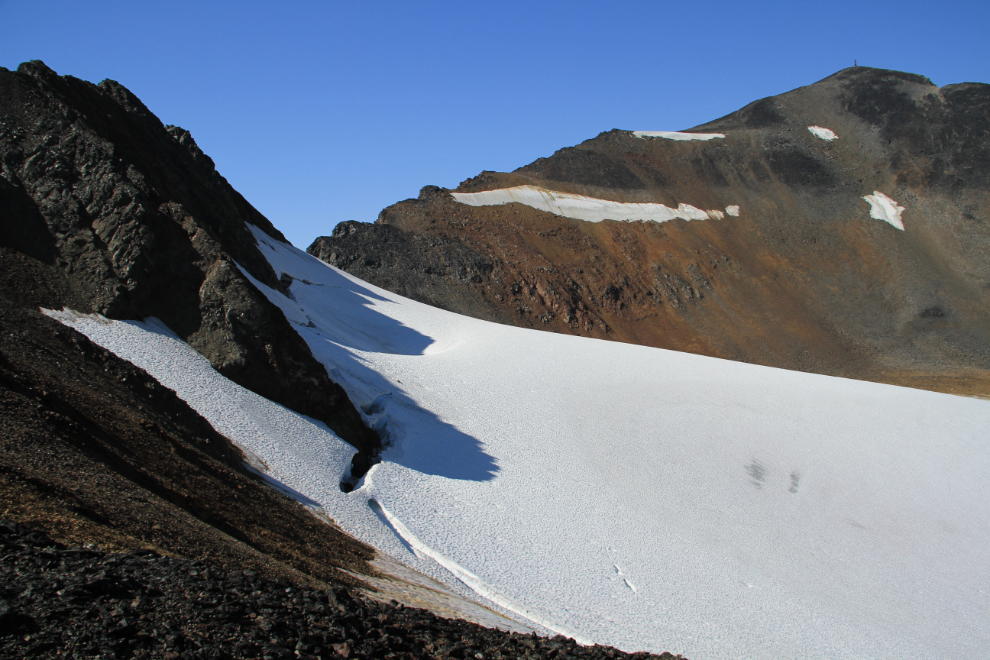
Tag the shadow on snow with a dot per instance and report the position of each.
(443, 450)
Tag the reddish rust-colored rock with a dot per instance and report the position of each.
(802, 279)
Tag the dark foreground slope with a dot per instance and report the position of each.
(802, 279)
(75, 603)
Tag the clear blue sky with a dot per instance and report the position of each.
(326, 111)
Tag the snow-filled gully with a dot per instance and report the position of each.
(768, 513)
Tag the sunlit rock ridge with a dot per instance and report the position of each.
(841, 228)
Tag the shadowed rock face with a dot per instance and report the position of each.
(802, 279)
(106, 210)
(428, 268)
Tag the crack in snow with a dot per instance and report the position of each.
(468, 578)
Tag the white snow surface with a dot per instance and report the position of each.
(886, 209)
(676, 135)
(823, 133)
(589, 209)
(637, 497)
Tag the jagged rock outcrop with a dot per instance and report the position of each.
(802, 278)
(424, 267)
(106, 210)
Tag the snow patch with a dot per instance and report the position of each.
(589, 209)
(886, 209)
(676, 135)
(823, 133)
(733, 210)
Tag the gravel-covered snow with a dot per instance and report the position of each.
(677, 135)
(886, 209)
(589, 209)
(645, 498)
(823, 133)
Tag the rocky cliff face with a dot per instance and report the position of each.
(106, 210)
(787, 268)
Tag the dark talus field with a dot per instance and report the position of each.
(80, 602)
(803, 278)
(104, 209)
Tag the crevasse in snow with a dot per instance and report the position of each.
(644, 498)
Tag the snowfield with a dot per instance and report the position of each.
(626, 495)
(589, 209)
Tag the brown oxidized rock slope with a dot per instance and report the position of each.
(802, 279)
(106, 210)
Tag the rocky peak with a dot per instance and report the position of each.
(777, 257)
(114, 213)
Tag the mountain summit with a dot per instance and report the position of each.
(841, 228)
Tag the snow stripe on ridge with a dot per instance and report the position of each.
(677, 135)
(589, 209)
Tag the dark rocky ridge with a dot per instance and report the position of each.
(803, 279)
(82, 603)
(423, 267)
(106, 210)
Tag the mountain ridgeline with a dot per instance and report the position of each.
(793, 265)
